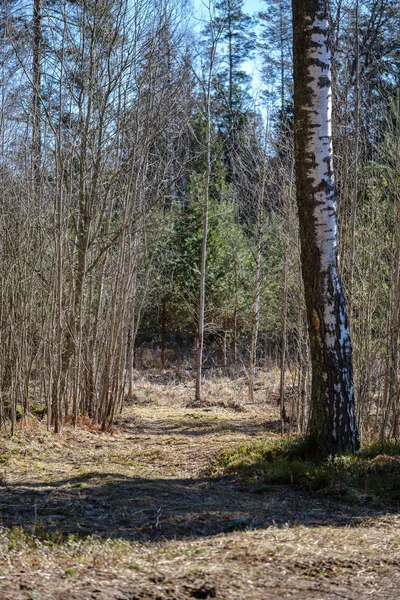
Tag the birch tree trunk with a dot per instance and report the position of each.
(333, 426)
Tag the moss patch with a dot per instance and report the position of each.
(373, 474)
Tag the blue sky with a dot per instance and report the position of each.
(250, 7)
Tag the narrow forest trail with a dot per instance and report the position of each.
(135, 515)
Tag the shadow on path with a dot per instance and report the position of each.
(194, 426)
(117, 506)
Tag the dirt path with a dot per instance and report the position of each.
(134, 515)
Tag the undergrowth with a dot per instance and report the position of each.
(373, 474)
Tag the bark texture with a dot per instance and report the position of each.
(333, 425)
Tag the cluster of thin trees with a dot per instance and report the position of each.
(91, 115)
(147, 195)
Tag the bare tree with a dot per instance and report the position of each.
(215, 32)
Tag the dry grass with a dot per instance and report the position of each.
(132, 514)
(177, 385)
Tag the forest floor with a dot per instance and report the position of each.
(134, 514)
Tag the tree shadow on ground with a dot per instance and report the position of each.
(198, 426)
(117, 506)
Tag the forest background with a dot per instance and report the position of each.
(131, 135)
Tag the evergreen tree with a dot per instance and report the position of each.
(275, 46)
(231, 81)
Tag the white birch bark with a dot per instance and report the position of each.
(333, 390)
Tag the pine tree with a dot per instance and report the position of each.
(275, 45)
(232, 82)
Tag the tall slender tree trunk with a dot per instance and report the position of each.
(284, 314)
(257, 287)
(286, 241)
(356, 157)
(304, 378)
(133, 320)
(333, 425)
(36, 129)
(56, 373)
(394, 382)
(202, 294)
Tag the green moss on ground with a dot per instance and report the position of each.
(373, 474)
